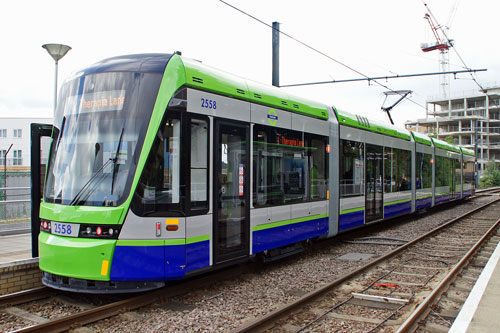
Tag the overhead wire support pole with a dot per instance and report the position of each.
(382, 77)
(276, 54)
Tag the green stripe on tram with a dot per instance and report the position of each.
(197, 239)
(139, 242)
(352, 210)
(287, 222)
(396, 202)
(162, 242)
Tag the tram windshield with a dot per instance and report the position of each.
(99, 129)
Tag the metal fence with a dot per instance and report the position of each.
(15, 198)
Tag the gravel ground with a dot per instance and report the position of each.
(229, 304)
(51, 309)
(10, 322)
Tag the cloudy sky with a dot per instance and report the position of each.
(376, 38)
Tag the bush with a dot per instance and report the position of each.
(491, 176)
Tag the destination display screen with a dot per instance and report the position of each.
(102, 101)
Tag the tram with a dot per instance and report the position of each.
(162, 168)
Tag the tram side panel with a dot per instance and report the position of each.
(398, 176)
(445, 175)
(468, 175)
(351, 178)
(423, 176)
(289, 178)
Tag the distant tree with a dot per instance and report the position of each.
(451, 140)
(491, 176)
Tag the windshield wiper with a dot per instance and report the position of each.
(113, 160)
(77, 197)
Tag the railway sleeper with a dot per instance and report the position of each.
(456, 297)
(433, 327)
(21, 313)
(374, 304)
(462, 287)
(470, 276)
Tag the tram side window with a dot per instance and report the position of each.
(319, 168)
(458, 172)
(469, 174)
(288, 167)
(424, 171)
(199, 163)
(443, 173)
(351, 168)
(397, 164)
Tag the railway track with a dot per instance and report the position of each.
(84, 312)
(396, 290)
(17, 306)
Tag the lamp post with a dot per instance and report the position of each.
(56, 51)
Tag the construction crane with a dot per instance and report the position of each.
(443, 44)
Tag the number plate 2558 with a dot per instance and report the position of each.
(65, 229)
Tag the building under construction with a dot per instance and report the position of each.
(471, 118)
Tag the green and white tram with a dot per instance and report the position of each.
(162, 168)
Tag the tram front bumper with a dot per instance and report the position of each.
(81, 258)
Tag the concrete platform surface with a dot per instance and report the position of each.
(480, 312)
(15, 247)
(15, 228)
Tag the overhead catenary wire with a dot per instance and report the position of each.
(319, 52)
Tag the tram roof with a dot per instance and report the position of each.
(421, 138)
(148, 62)
(354, 120)
(467, 151)
(445, 145)
(207, 78)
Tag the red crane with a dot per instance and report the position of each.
(440, 44)
(443, 44)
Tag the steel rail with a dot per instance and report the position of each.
(263, 322)
(25, 296)
(419, 311)
(102, 312)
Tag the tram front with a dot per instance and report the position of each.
(100, 127)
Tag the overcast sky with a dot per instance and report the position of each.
(377, 38)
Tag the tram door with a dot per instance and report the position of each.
(374, 204)
(231, 191)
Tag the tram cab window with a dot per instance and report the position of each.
(167, 187)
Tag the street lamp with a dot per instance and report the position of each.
(56, 51)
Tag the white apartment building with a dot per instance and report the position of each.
(472, 118)
(17, 132)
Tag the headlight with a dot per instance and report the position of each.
(100, 231)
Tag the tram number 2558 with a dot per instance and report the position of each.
(208, 104)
